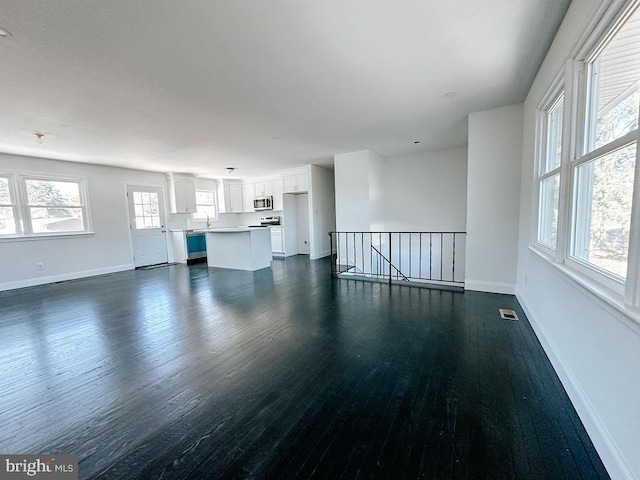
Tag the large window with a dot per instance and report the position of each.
(205, 205)
(604, 173)
(35, 206)
(54, 205)
(586, 197)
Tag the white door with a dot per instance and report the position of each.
(148, 235)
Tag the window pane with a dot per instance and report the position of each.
(205, 205)
(615, 76)
(5, 195)
(548, 221)
(204, 198)
(48, 220)
(146, 210)
(205, 210)
(7, 221)
(603, 210)
(554, 136)
(55, 193)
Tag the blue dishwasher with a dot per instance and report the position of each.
(196, 246)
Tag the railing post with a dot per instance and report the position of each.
(390, 259)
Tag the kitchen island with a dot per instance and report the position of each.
(238, 248)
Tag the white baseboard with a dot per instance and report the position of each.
(610, 454)
(31, 282)
(324, 253)
(491, 287)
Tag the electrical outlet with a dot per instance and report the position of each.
(39, 266)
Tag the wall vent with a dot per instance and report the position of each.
(508, 314)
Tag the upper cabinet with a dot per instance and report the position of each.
(182, 194)
(229, 197)
(235, 198)
(248, 195)
(298, 183)
(263, 189)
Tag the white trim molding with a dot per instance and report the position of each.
(490, 287)
(32, 282)
(611, 456)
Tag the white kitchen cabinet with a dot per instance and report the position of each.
(263, 189)
(187, 246)
(182, 194)
(277, 195)
(231, 199)
(178, 246)
(277, 245)
(296, 183)
(248, 194)
(235, 198)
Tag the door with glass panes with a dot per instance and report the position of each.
(146, 216)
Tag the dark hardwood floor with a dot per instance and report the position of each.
(190, 372)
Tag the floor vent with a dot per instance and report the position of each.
(508, 314)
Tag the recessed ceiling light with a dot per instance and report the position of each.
(5, 33)
(230, 170)
(449, 94)
(417, 141)
(38, 136)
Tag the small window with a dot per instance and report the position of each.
(55, 206)
(549, 175)
(7, 208)
(147, 210)
(205, 205)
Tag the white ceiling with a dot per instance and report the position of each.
(198, 85)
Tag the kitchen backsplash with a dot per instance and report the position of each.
(184, 221)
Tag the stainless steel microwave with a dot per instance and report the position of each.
(263, 203)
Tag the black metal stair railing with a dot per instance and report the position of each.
(391, 265)
(418, 258)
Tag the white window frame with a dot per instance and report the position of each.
(195, 215)
(550, 101)
(583, 125)
(22, 212)
(624, 293)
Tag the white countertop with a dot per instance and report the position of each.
(228, 229)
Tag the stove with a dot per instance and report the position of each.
(268, 221)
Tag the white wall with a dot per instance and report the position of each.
(107, 250)
(594, 348)
(421, 192)
(323, 210)
(352, 191)
(378, 192)
(426, 191)
(493, 193)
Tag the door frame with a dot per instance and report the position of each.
(163, 191)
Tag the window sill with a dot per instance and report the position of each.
(610, 300)
(44, 236)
